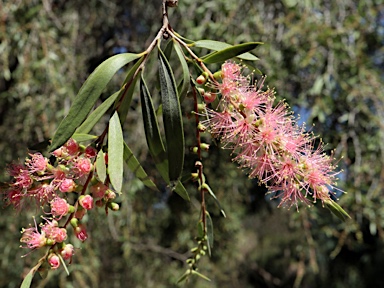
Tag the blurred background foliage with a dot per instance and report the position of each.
(325, 58)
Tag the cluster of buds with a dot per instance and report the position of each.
(61, 187)
(267, 141)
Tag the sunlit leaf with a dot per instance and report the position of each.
(173, 124)
(136, 168)
(96, 115)
(101, 168)
(88, 95)
(80, 137)
(126, 102)
(183, 89)
(115, 152)
(230, 52)
(217, 46)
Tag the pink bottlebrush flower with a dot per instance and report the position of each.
(81, 232)
(67, 185)
(42, 192)
(54, 233)
(83, 166)
(67, 252)
(53, 261)
(33, 238)
(21, 175)
(59, 207)
(86, 201)
(14, 197)
(37, 163)
(268, 142)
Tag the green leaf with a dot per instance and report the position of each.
(217, 46)
(209, 232)
(337, 210)
(230, 52)
(101, 168)
(88, 95)
(194, 272)
(126, 103)
(184, 277)
(206, 186)
(173, 124)
(200, 229)
(154, 142)
(151, 125)
(183, 89)
(28, 279)
(115, 152)
(96, 115)
(83, 137)
(180, 189)
(137, 169)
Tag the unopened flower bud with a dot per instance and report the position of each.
(54, 261)
(86, 201)
(110, 195)
(90, 152)
(72, 147)
(204, 146)
(201, 91)
(113, 206)
(209, 97)
(201, 127)
(81, 232)
(67, 185)
(202, 79)
(218, 75)
(67, 251)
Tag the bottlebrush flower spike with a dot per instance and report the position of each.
(267, 141)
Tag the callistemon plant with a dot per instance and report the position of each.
(85, 171)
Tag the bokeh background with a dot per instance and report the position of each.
(326, 58)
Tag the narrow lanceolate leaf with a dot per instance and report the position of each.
(101, 168)
(136, 168)
(209, 233)
(115, 152)
(154, 142)
(28, 279)
(337, 210)
(230, 52)
(217, 46)
(96, 115)
(88, 95)
(126, 102)
(83, 137)
(183, 88)
(173, 124)
(151, 125)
